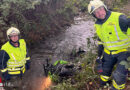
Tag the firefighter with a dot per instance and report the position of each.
(14, 58)
(113, 31)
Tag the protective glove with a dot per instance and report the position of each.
(6, 76)
(27, 65)
(99, 66)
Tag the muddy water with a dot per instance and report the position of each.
(57, 47)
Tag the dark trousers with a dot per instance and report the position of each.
(119, 73)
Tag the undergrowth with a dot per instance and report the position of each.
(86, 78)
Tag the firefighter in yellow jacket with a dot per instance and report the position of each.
(113, 30)
(14, 58)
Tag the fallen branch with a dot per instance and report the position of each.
(87, 86)
(93, 66)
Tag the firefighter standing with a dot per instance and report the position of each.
(113, 30)
(14, 58)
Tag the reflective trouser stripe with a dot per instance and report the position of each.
(114, 52)
(28, 58)
(4, 70)
(104, 78)
(1, 85)
(122, 86)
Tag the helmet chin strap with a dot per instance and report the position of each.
(15, 41)
(15, 44)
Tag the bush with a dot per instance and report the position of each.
(35, 19)
(85, 76)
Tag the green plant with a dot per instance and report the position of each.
(79, 80)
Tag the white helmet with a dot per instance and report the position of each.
(12, 31)
(94, 4)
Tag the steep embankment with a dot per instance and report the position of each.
(57, 48)
(48, 19)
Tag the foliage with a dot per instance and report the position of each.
(14, 7)
(76, 5)
(86, 78)
(37, 18)
(115, 3)
(11, 13)
(79, 81)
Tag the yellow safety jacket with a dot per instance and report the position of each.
(16, 63)
(111, 34)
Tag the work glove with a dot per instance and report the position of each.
(27, 65)
(6, 76)
(99, 66)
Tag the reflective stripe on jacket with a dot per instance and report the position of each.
(111, 35)
(17, 55)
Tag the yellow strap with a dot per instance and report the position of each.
(104, 78)
(114, 52)
(122, 50)
(23, 70)
(106, 51)
(4, 70)
(17, 72)
(122, 86)
(28, 58)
